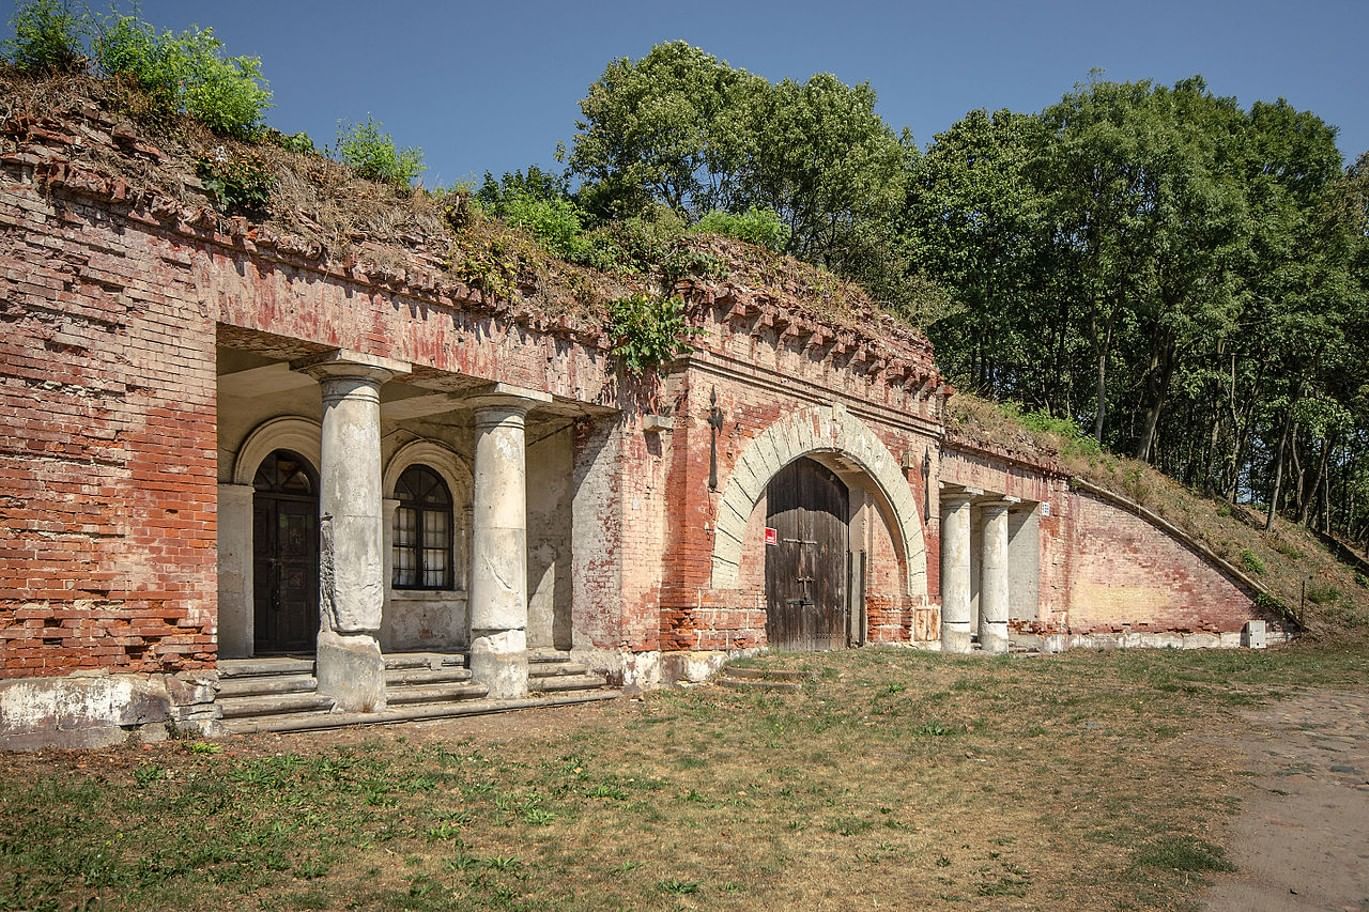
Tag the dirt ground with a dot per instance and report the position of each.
(1301, 840)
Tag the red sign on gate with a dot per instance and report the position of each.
(772, 536)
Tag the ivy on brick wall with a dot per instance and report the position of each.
(648, 330)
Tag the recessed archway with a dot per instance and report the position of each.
(835, 437)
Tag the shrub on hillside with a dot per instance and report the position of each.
(757, 226)
(1074, 441)
(186, 72)
(373, 155)
(1252, 561)
(554, 222)
(48, 37)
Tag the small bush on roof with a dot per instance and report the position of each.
(48, 37)
(757, 226)
(372, 153)
(186, 72)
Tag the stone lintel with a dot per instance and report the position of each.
(506, 395)
(954, 493)
(654, 424)
(997, 502)
(344, 362)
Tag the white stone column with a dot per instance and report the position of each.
(236, 617)
(955, 570)
(993, 582)
(498, 605)
(349, 665)
(388, 506)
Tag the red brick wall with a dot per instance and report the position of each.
(774, 383)
(107, 460)
(1127, 575)
(1103, 569)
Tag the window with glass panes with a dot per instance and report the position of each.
(423, 531)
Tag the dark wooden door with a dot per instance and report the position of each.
(806, 570)
(285, 555)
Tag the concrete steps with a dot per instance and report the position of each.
(774, 680)
(423, 712)
(277, 693)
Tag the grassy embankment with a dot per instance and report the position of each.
(1330, 597)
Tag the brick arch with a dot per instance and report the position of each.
(834, 436)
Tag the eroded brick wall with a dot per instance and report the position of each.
(1102, 569)
(1128, 576)
(107, 456)
(758, 381)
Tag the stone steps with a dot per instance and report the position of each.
(766, 680)
(270, 665)
(263, 685)
(273, 704)
(325, 721)
(435, 693)
(417, 677)
(564, 682)
(277, 693)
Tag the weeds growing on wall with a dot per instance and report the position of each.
(648, 330)
(240, 184)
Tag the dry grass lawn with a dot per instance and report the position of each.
(895, 779)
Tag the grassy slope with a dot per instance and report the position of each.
(894, 779)
(1337, 603)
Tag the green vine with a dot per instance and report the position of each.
(239, 184)
(648, 330)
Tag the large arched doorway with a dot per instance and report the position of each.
(285, 531)
(806, 566)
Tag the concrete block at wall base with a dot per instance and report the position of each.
(634, 672)
(1059, 642)
(697, 666)
(1253, 635)
(99, 709)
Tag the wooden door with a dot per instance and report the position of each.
(806, 570)
(285, 533)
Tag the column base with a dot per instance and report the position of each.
(499, 660)
(955, 638)
(993, 638)
(351, 670)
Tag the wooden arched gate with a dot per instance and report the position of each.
(807, 569)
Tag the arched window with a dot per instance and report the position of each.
(423, 531)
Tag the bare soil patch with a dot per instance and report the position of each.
(1301, 840)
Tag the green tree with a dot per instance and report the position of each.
(673, 127)
(974, 220)
(49, 37)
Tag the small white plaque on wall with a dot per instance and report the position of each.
(1045, 508)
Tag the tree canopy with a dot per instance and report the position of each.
(1184, 277)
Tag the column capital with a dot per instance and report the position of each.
(343, 363)
(996, 503)
(232, 490)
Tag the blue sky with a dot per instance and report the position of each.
(494, 85)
